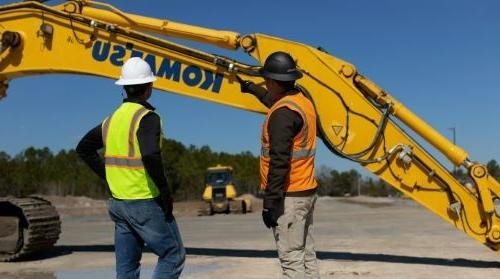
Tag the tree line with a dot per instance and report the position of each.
(41, 171)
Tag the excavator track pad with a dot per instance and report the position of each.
(27, 226)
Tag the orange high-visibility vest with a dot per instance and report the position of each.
(301, 175)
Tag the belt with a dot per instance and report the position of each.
(305, 193)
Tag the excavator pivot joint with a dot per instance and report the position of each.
(10, 39)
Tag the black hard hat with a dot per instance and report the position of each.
(280, 66)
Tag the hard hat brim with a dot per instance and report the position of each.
(281, 77)
(136, 81)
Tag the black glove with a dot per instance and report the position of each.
(270, 217)
(273, 209)
(245, 85)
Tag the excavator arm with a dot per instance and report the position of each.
(357, 120)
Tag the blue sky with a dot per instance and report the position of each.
(439, 57)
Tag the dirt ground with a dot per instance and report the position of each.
(355, 238)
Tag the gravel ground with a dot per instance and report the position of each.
(355, 238)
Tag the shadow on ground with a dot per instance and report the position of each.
(323, 255)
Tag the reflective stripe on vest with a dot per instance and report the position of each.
(131, 135)
(303, 152)
(125, 171)
(302, 114)
(299, 154)
(124, 162)
(301, 174)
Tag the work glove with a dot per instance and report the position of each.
(245, 85)
(273, 209)
(270, 217)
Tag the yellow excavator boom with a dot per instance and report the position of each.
(355, 116)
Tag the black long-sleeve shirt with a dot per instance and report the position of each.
(148, 136)
(284, 125)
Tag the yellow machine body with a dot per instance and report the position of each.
(220, 194)
(355, 116)
(230, 191)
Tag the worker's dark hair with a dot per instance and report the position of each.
(136, 90)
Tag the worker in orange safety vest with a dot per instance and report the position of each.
(287, 164)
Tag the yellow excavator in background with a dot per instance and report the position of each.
(356, 118)
(220, 195)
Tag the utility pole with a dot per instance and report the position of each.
(454, 130)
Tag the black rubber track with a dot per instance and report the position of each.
(41, 227)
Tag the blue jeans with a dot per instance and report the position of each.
(143, 222)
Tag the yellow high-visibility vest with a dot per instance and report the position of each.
(125, 173)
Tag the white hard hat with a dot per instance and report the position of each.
(135, 71)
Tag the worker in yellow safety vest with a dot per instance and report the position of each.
(287, 164)
(141, 204)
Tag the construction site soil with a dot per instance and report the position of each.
(355, 238)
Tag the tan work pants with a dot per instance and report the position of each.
(294, 238)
